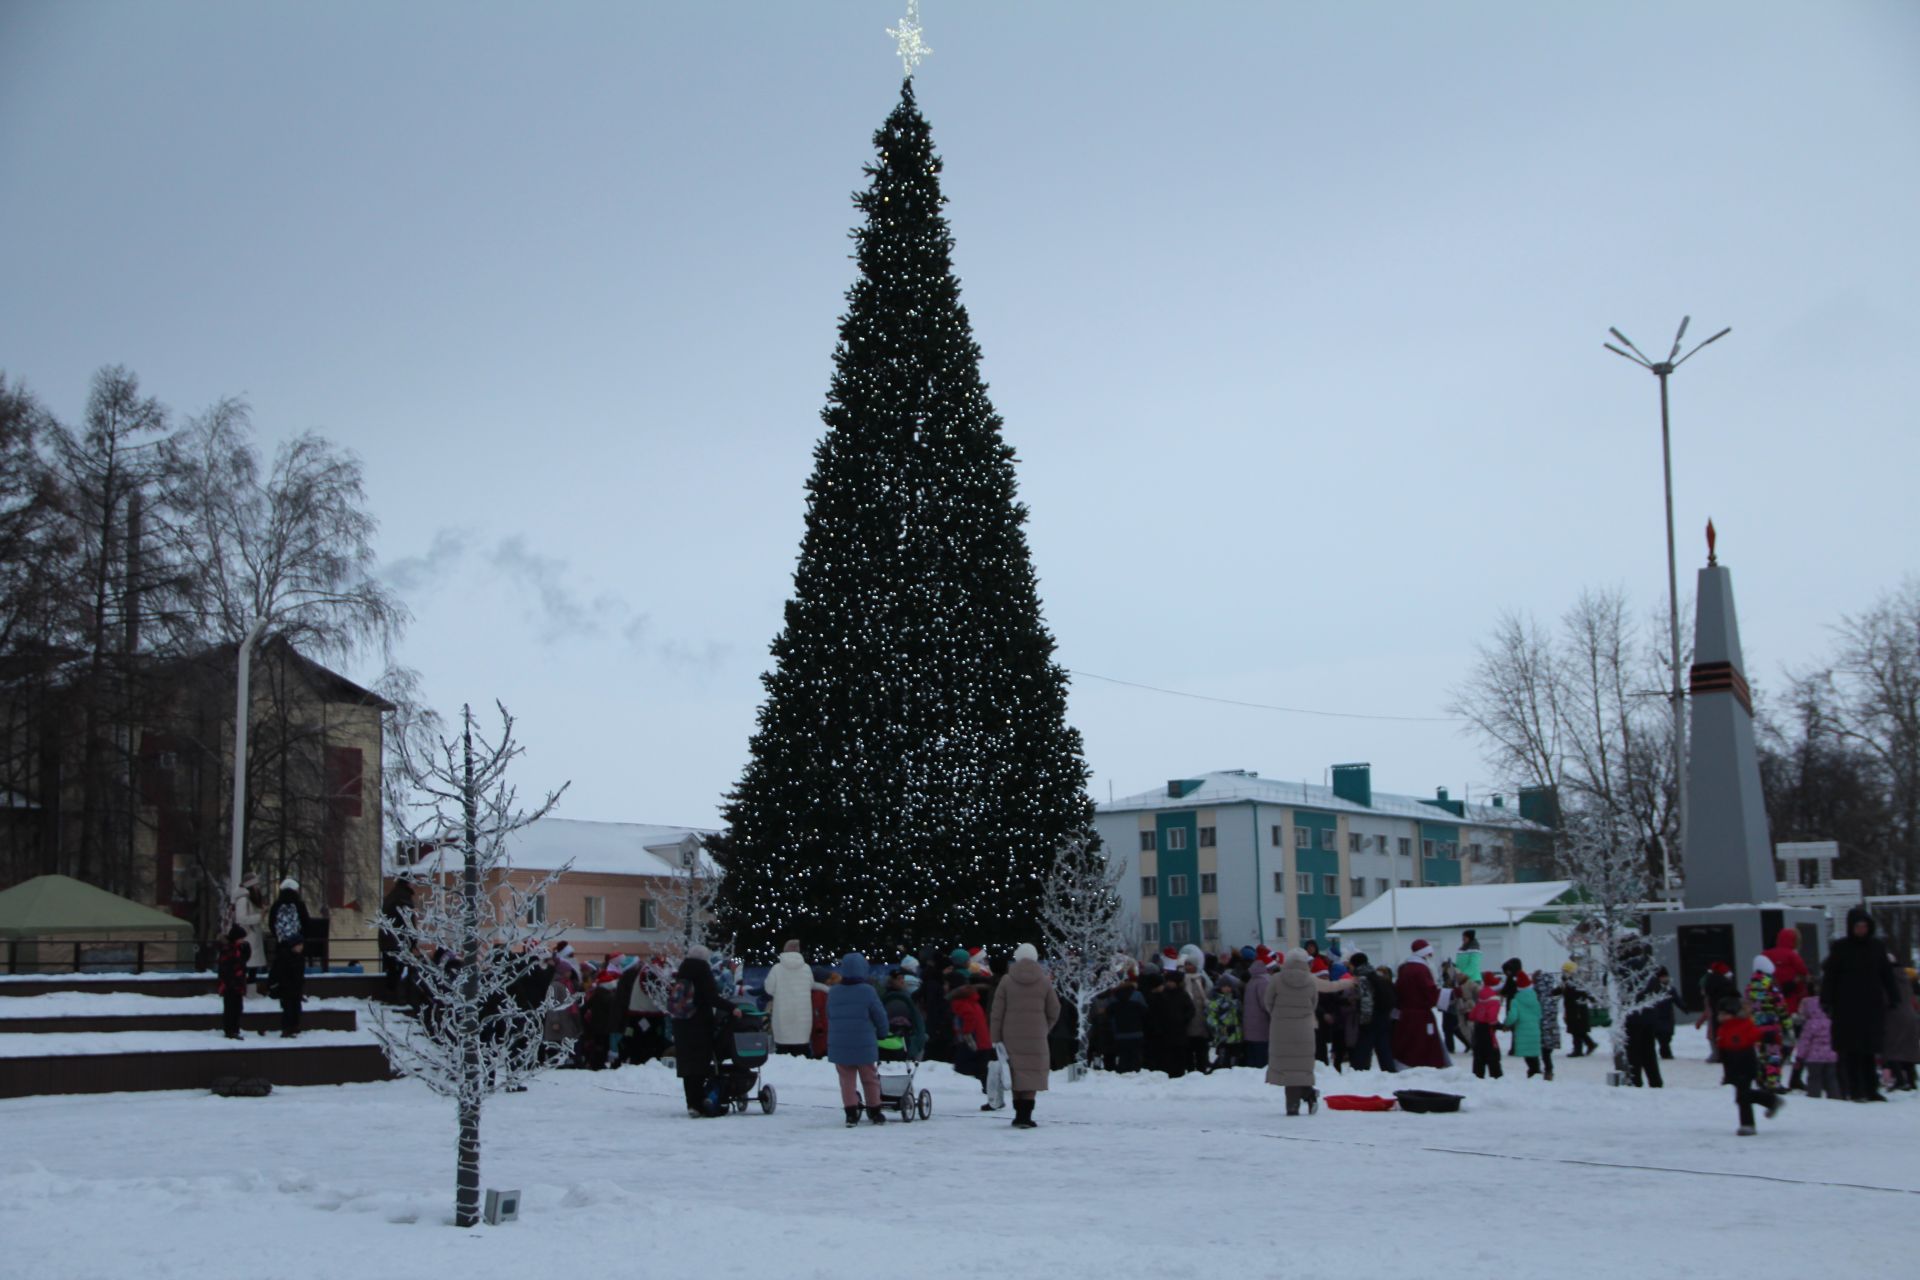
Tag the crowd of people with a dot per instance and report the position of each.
(1838, 1034)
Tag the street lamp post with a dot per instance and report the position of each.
(1663, 369)
(242, 705)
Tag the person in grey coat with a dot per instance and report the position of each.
(1024, 1011)
(1292, 998)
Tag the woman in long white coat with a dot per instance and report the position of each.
(249, 911)
(789, 988)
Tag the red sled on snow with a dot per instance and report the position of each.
(1357, 1102)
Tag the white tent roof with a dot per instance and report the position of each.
(1453, 906)
(601, 848)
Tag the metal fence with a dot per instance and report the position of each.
(169, 955)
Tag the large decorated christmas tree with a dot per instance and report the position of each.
(913, 771)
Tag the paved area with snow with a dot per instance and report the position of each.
(1135, 1176)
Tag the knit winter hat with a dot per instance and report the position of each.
(290, 883)
(793, 944)
(959, 957)
(1026, 951)
(909, 964)
(1569, 967)
(693, 953)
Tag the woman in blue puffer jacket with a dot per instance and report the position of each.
(856, 1020)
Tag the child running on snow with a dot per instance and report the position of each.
(1485, 1017)
(1763, 998)
(1737, 1037)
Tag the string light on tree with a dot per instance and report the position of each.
(907, 39)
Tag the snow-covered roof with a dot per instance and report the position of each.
(1453, 906)
(601, 848)
(1240, 786)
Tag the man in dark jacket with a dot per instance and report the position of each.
(1856, 990)
(1126, 1026)
(702, 1028)
(1169, 1010)
(1374, 997)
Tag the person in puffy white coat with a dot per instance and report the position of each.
(790, 991)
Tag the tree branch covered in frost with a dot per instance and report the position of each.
(1605, 857)
(688, 916)
(467, 939)
(1083, 928)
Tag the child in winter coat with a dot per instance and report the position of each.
(234, 958)
(1813, 1052)
(1523, 1016)
(1223, 1024)
(1737, 1037)
(1547, 988)
(1485, 1017)
(972, 1040)
(1768, 1011)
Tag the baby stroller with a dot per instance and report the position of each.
(897, 1068)
(742, 1055)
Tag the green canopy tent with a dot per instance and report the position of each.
(55, 923)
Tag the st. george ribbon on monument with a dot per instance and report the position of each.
(1732, 910)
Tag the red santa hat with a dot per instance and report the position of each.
(1319, 964)
(1422, 948)
(1263, 955)
(1522, 980)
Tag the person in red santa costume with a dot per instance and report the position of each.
(1416, 1041)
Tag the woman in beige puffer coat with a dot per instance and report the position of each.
(1292, 996)
(1024, 1011)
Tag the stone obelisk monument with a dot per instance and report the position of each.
(1732, 910)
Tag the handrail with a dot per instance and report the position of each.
(59, 955)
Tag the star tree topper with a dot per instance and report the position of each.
(907, 38)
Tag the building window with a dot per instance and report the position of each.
(1303, 881)
(1303, 837)
(1426, 848)
(1279, 882)
(1176, 839)
(1276, 835)
(1176, 886)
(1406, 884)
(1209, 882)
(537, 909)
(1279, 931)
(649, 914)
(1177, 933)
(1450, 849)
(1150, 933)
(596, 912)
(1353, 842)
(1381, 886)
(1406, 847)
(1359, 888)
(1146, 842)
(1328, 837)
(1210, 930)
(1309, 928)
(1149, 887)
(1330, 885)
(1206, 837)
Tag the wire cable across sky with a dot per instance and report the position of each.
(1267, 706)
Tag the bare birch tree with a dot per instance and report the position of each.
(474, 944)
(1083, 927)
(1604, 855)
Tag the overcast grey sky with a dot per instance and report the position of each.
(1293, 311)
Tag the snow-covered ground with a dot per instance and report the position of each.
(1134, 1176)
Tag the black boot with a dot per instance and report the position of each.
(876, 1115)
(1023, 1116)
(853, 1116)
(1313, 1102)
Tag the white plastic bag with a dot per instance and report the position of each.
(998, 1074)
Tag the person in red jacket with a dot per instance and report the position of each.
(1738, 1037)
(972, 1037)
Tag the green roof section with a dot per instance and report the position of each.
(49, 905)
